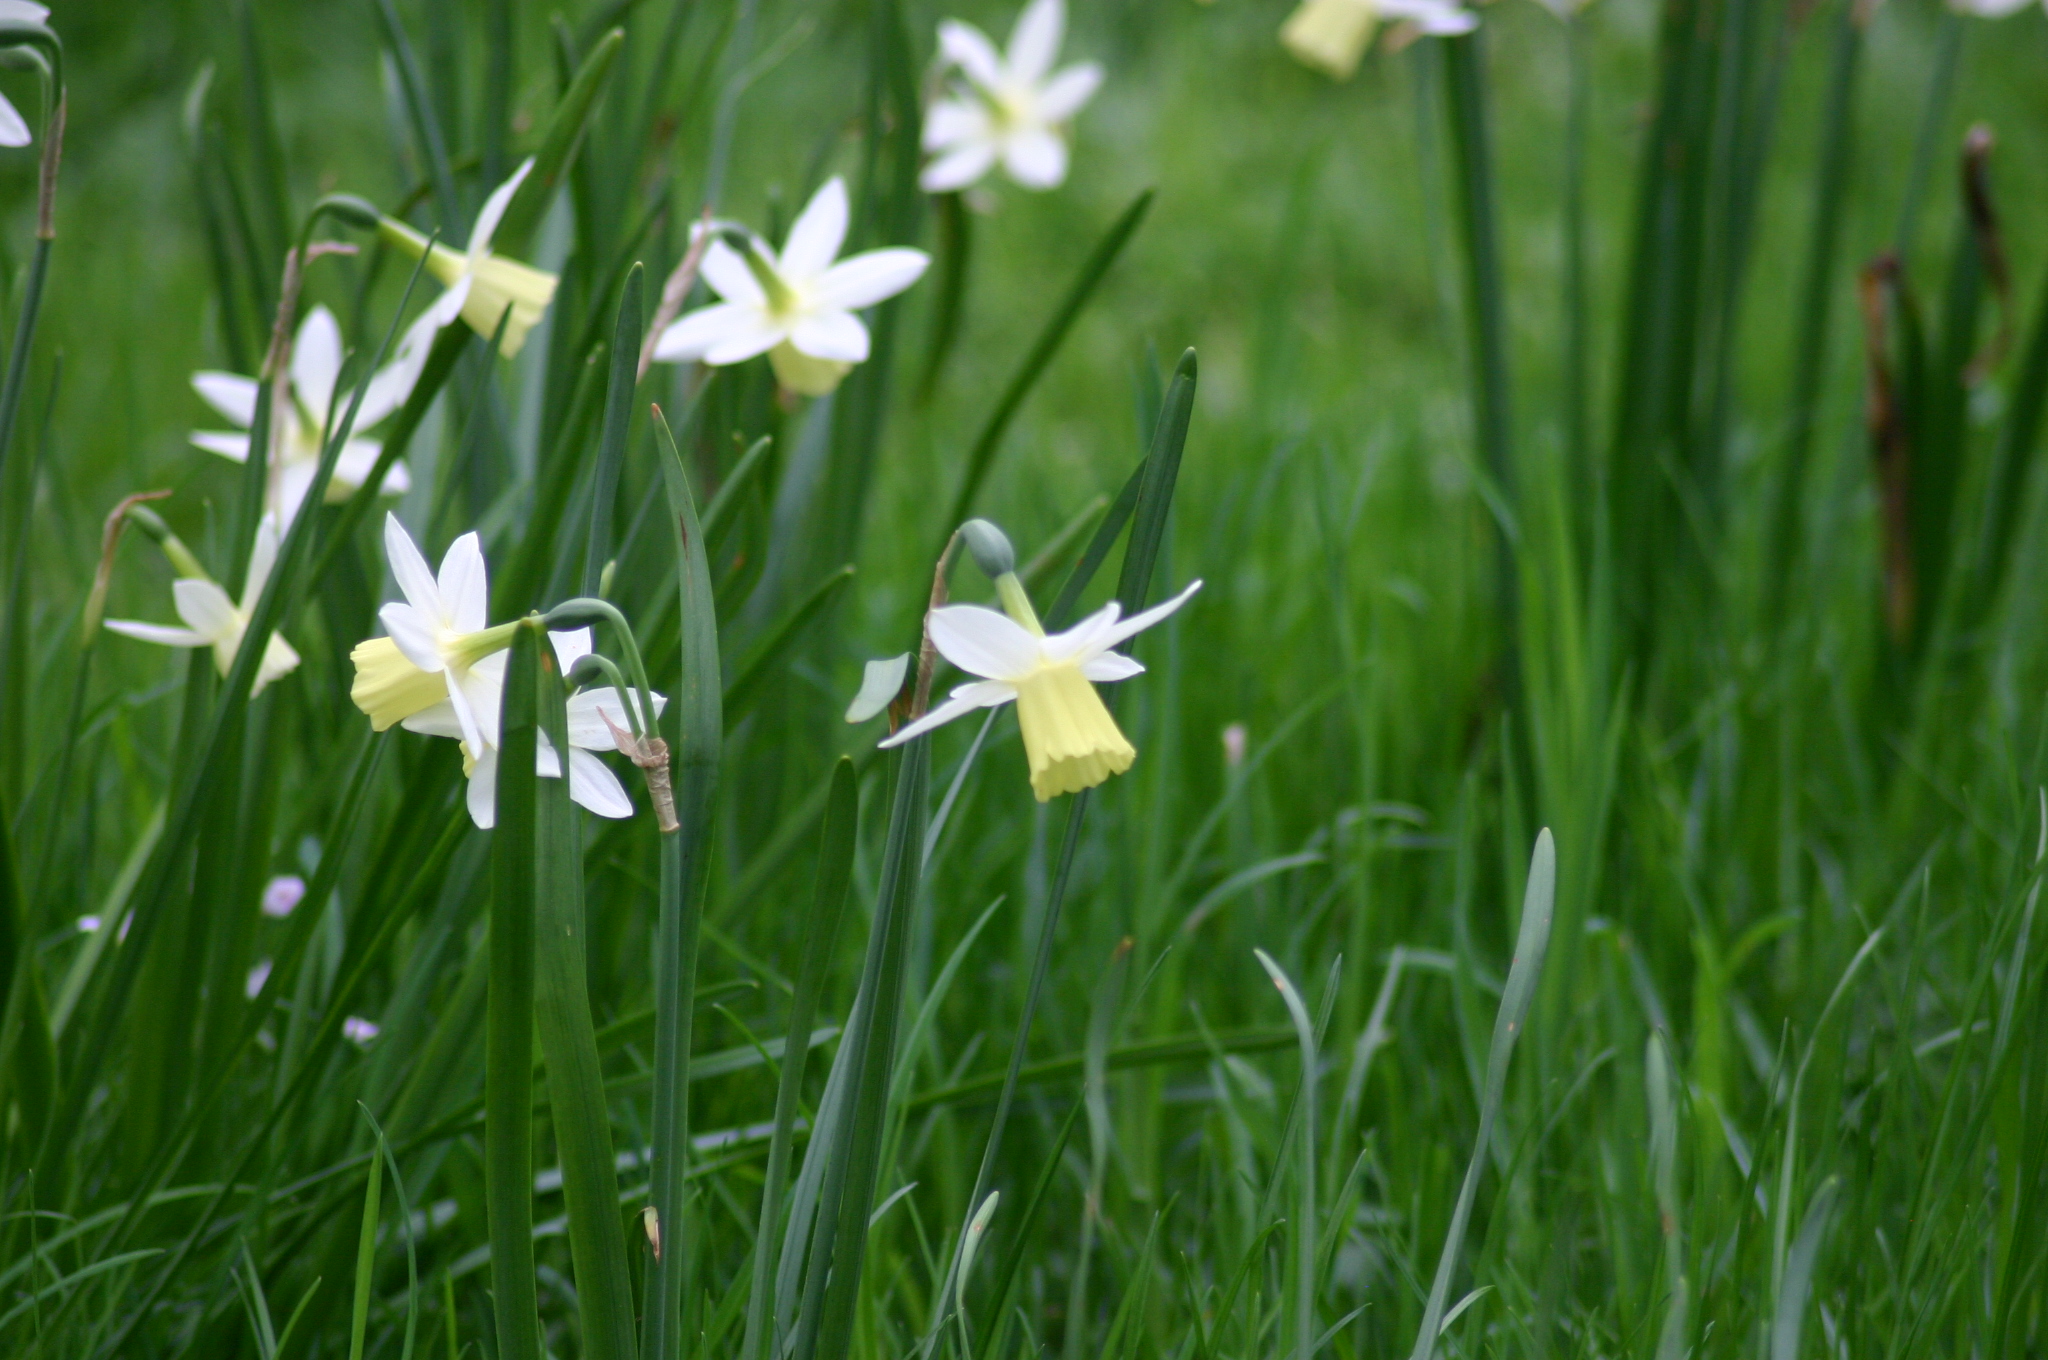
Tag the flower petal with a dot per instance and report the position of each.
(410, 570)
(205, 608)
(316, 363)
(968, 48)
(289, 485)
(727, 327)
(957, 169)
(1066, 92)
(815, 237)
(235, 446)
(231, 394)
(438, 721)
(571, 646)
(880, 682)
(588, 711)
(357, 461)
(1081, 638)
(262, 557)
(1035, 41)
(157, 633)
(465, 585)
(838, 336)
(483, 790)
(752, 333)
(727, 273)
(867, 278)
(1107, 666)
(964, 700)
(1138, 623)
(414, 636)
(594, 786)
(983, 642)
(1437, 18)
(13, 127)
(1036, 159)
(473, 739)
(493, 211)
(951, 122)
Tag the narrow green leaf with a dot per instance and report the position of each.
(618, 419)
(775, 648)
(558, 146)
(366, 1261)
(427, 136)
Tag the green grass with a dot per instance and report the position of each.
(1780, 1087)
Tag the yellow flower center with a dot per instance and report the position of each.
(1070, 740)
(388, 686)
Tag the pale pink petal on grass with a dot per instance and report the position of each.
(968, 48)
(831, 335)
(415, 579)
(982, 642)
(1036, 159)
(865, 279)
(815, 237)
(1066, 92)
(727, 273)
(465, 585)
(1035, 41)
(205, 608)
(157, 633)
(595, 787)
(231, 394)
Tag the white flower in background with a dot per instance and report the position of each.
(258, 975)
(1070, 740)
(591, 783)
(357, 1030)
(482, 285)
(1332, 35)
(1012, 107)
(1982, 9)
(213, 619)
(300, 421)
(281, 894)
(796, 307)
(14, 130)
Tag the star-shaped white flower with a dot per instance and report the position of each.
(14, 129)
(1332, 35)
(1070, 740)
(300, 420)
(1011, 107)
(213, 619)
(591, 783)
(797, 307)
(482, 285)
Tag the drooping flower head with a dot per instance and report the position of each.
(1331, 35)
(14, 129)
(1071, 742)
(482, 285)
(796, 306)
(1009, 107)
(299, 420)
(213, 619)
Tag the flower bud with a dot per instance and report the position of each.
(989, 547)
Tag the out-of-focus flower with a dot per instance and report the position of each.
(797, 307)
(88, 924)
(299, 422)
(1070, 740)
(1982, 9)
(1332, 35)
(253, 984)
(482, 285)
(1011, 107)
(213, 619)
(281, 894)
(357, 1030)
(14, 130)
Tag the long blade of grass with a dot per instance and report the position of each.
(618, 419)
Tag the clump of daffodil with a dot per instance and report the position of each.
(1012, 107)
(1332, 35)
(1070, 740)
(798, 306)
(212, 618)
(300, 415)
(481, 285)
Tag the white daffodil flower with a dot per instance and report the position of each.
(213, 619)
(591, 783)
(1070, 740)
(1332, 35)
(880, 683)
(1012, 107)
(14, 129)
(482, 285)
(797, 307)
(1982, 9)
(300, 421)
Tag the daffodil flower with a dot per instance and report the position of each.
(14, 130)
(213, 619)
(1012, 108)
(482, 285)
(797, 307)
(1982, 9)
(1070, 740)
(1332, 35)
(300, 421)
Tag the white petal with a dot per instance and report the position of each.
(968, 48)
(316, 362)
(594, 786)
(957, 169)
(493, 211)
(983, 642)
(1438, 18)
(727, 273)
(392, 384)
(483, 692)
(815, 237)
(413, 635)
(867, 278)
(880, 682)
(951, 122)
(357, 461)
(546, 763)
(465, 586)
(571, 646)
(438, 721)
(13, 128)
(755, 333)
(1036, 159)
(280, 659)
(964, 700)
(1083, 636)
(1066, 92)
(721, 327)
(1138, 623)
(262, 557)
(838, 336)
(235, 446)
(289, 485)
(231, 394)
(588, 710)
(446, 309)
(157, 633)
(410, 569)
(473, 739)
(1035, 41)
(1107, 666)
(483, 790)
(205, 608)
